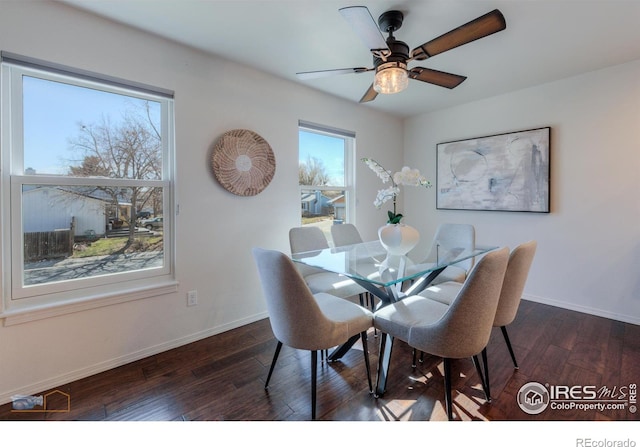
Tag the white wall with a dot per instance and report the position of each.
(215, 229)
(588, 256)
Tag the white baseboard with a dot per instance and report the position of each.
(39, 387)
(583, 309)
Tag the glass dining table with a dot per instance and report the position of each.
(388, 277)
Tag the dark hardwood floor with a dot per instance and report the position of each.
(222, 378)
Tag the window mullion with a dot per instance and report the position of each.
(85, 181)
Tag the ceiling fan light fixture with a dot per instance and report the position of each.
(391, 77)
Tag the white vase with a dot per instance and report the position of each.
(398, 239)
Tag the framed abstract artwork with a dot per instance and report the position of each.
(504, 172)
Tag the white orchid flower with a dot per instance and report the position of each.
(381, 172)
(386, 194)
(406, 176)
(409, 177)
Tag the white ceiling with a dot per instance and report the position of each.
(544, 40)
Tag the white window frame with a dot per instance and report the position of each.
(349, 165)
(21, 303)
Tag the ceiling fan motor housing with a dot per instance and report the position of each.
(399, 54)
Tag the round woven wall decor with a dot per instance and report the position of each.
(243, 162)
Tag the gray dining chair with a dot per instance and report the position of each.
(309, 238)
(459, 330)
(345, 234)
(448, 236)
(302, 320)
(520, 261)
(348, 234)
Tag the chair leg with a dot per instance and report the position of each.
(273, 363)
(384, 357)
(372, 305)
(365, 349)
(447, 388)
(476, 363)
(485, 365)
(414, 354)
(506, 339)
(314, 378)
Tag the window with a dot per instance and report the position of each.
(87, 187)
(325, 165)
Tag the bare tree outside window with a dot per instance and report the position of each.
(127, 149)
(313, 172)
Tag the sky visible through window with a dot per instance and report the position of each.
(53, 113)
(330, 150)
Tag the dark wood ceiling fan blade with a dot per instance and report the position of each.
(483, 26)
(325, 73)
(436, 77)
(365, 27)
(370, 95)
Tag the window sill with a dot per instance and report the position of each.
(38, 312)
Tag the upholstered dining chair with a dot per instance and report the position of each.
(309, 238)
(459, 330)
(302, 320)
(515, 279)
(345, 234)
(520, 261)
(348, 234)
(448, 236)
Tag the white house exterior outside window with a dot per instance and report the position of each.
(84, 158)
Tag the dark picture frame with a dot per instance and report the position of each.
(501, 172)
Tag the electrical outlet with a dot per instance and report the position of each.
(192, 298)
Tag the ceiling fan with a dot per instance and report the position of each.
(391, 56)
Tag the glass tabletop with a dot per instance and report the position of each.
(370, 262)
